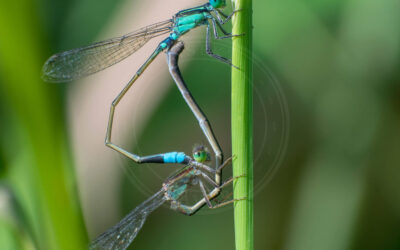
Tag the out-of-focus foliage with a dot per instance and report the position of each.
(337, 186)
(34, 152)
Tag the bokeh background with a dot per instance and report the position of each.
(326, 126)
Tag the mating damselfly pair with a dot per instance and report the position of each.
(77, 63)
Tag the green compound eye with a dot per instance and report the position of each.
(200, 156)
(217, 3)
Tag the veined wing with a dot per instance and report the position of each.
(120, 236)
(77, 63)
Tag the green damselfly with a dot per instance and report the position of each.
(77, 63)
(193, 174)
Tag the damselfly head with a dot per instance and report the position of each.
(201, 154)
(218, 3)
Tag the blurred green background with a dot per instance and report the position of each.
(326, 132)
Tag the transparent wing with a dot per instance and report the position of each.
(121, 235)
(77, 63)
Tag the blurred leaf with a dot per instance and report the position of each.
(13, 222)
(52, 206)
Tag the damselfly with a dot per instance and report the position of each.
(77, 63)
(193, 174)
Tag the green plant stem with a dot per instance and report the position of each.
(242, 124)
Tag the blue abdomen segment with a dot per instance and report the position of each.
(167, 43)
(171, 157)
(174, 157)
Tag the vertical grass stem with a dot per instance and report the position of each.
(242, 124)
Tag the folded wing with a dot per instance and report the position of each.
(73, 64)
